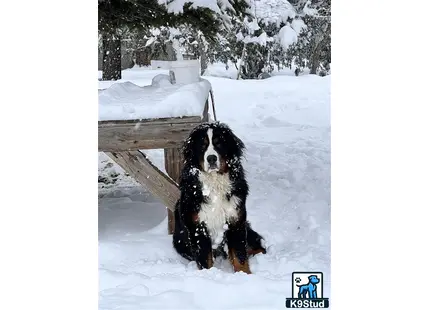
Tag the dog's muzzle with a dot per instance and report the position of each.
(212, 161)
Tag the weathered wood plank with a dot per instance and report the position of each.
(117, 136)
(206, 111)
(170, 120)
(213, 106)
(142, 170)
(173, 162)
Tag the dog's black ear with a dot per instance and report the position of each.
(234, 142)
(239, 143)
(187, 150)
(192, 142)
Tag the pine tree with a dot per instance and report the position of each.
(260, 41)
(313, 48)
(114, 15)
(141, 14)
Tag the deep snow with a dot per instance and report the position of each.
(123, 101)
(284, 122)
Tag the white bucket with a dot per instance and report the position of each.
(185, 71)
(160, 64)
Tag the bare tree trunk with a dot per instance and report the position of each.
(242, 59)
(171, 54)
(111, 56)
(202, 52)
(315, 59)
(203, 58)
(316, 55)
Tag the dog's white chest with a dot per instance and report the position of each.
(218, 210)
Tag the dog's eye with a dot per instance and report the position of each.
(216, 141)
(205, 143)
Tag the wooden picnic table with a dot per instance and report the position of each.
(125, 141)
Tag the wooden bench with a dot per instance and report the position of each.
(124, 141)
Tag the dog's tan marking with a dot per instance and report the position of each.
(195, 217)
(223, 166)
(237, 266)
(255, 252)
(210, 260)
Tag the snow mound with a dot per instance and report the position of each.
(177, 6)
(287, 36)
(273, 11)
(298, 25)
(219, 69)
(161, 80)
(123, 101)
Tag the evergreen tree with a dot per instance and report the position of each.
(208, 17)
(313, 48)
(114, 15)
(288, 32)
(260, 38)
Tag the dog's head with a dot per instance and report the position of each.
(313, 279)
(213, 147)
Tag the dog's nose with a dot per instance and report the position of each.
(211, 159)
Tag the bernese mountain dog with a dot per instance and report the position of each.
(210, 215)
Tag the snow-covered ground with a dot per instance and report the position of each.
(284, 122)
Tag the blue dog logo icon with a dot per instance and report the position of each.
(309, 295)
(309, 290)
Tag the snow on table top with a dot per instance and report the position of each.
(126, 101)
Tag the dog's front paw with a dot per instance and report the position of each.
(205, 261)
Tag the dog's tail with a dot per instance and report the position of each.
(254, 241)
